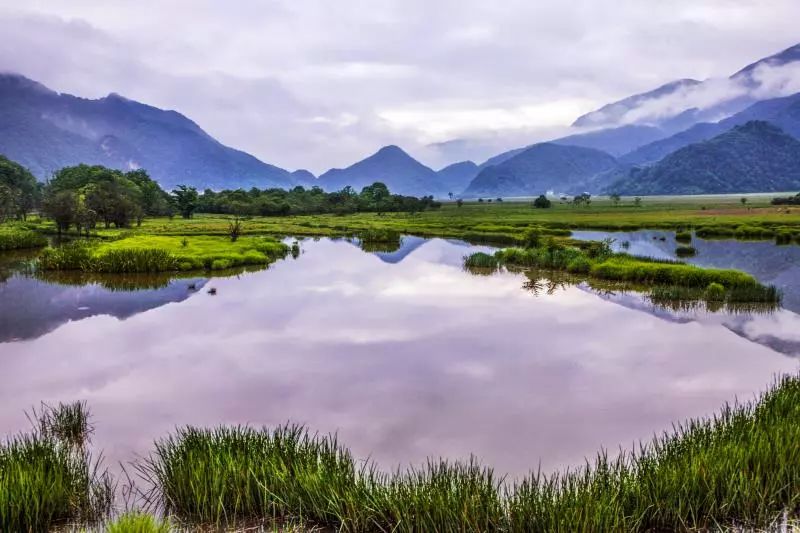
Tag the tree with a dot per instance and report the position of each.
(62, 207)
(185, 199)
(542, 202)
(374, 197)
(459, 202)
(637, 201)
(615, 198)
(743, 200)
(21, 191)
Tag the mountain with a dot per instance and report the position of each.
(680, 104)
(45, 131)
(540, 168)
(754, 157)
(782, 112)
(615, 112)
(305, 178)
(391, 165)
(615, 141)
(456, 177)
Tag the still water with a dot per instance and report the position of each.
(403, 353)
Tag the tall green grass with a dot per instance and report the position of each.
(13, 237)
(737, 468)
(47, 477)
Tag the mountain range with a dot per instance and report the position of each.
(45, 131)
(660, 140)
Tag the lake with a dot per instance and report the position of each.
(403, 353)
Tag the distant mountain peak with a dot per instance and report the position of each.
(15, 81)
(783, 57)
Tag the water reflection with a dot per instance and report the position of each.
(405, 360)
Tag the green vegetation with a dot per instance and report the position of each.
(595, 259)
(685, 251)
(47, 477)
(542, 202)
(298, 201)
(481, 260)
(19, 191)
(735, 469)
(162, 254)
(683, 236)
(14, 237)
(137, 522)
(787, 200)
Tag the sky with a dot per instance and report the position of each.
(320, 83)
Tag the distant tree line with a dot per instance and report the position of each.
(375, 198)
(85, 196)
(787, 200)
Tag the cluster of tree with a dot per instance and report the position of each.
(85, 195)
(787, 200)
(542, 202)
(299, 201)
(20, 193)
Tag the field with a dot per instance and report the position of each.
(712, 216)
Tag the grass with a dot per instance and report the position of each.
(481, 260)
(151, 253)
(738, 468)
(685, 251)
(137, 522)
(683, 236)
(15, 237)
(47, 478)
(596, 260)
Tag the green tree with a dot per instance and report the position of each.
(542, 202)
(186, 200)
(62, 207)
(615, 198)
(21, 191)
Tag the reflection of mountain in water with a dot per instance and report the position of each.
(779, 330)
(770, 264)
(41, 307)
(408, 245)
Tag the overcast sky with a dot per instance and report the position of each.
(319, 84)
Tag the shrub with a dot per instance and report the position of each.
(542, 202)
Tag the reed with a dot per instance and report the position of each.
(480, 260)
(683, 236)
(47, 478)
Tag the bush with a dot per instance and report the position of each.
(715, 292)
(542, 202)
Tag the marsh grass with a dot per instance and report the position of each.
(152, 254)
(685, 251)
(683, 236)
(15, 237)
(137, 522)
(737, 468)
(48, 478)
(379, 235)
(481, 260)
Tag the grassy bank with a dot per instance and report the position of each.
(16, 237)
(153, 253)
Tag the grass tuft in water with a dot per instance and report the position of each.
(480, 260)
(685, 251)
(48, 479)
(137, 522)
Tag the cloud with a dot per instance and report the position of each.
(311, 83)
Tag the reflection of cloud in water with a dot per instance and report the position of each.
(424, 360)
